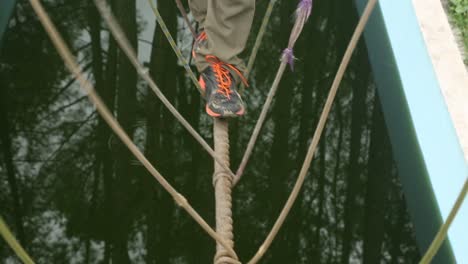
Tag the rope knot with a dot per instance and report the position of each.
(225, 258)
(288, 57)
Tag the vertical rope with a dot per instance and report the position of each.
(222, 182)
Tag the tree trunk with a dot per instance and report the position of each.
(152, 149)
(163, 66)
(126, 115)
(380, 159)
(354, 172)
(280, 164)
(6, 142)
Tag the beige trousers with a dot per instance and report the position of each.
(227, 25)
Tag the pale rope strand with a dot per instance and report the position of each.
(258, 125)
(174, 47)
(442, 234)
(302, 14)
(258, 41)
(143, 72)
(222, 182)
(315, 140)
(70, 62)
(11, 240)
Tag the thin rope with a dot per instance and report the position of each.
(258, 41)
(318, 132)
(222, 182)
(442, 234)
(287, 57)
(184, 15)
(11, 240)
(123, 42)
(71, 64)
(173, 44)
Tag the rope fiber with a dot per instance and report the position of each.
(222, 182)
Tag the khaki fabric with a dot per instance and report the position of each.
(227, 24)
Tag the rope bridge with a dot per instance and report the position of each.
(223, 178)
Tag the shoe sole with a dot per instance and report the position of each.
(214, 114)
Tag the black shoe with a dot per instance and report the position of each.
(222, 98)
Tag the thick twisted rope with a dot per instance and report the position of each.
(71, 64)
(222, 182)
(442, 234)
(124, 44)
(318, 132)
(13, 243)
(302, 14)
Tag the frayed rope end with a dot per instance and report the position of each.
(304, 8)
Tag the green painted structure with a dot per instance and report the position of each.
(429, 157)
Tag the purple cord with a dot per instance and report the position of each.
(305, 8)
(289, 55)
(303, 12)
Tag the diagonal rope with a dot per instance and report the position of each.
(441, 235)
(318, 132)
(184, 15)
(11, 240)
(123, 42)
(258, 40)
(71, 64)
(287, 57)
(173, 44)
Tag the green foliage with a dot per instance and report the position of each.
(459, 12)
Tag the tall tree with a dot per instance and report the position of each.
(123, 193)
(12, 179)
(354, 174)
(378, 181)
(163, 68)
